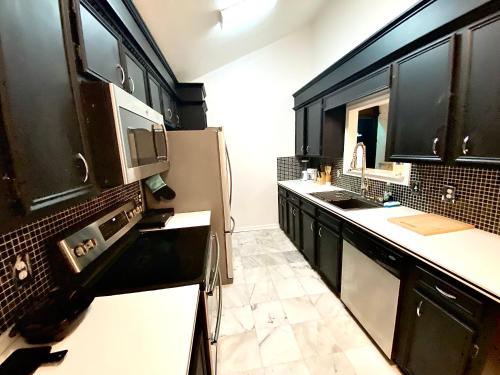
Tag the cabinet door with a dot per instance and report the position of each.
(136, 77)
(154, 94)
(284, 214)
(300, 131)
(280, 212)
(329, 256)
(309, 238)
(419, 103)
(38, 108)
(99, 49)
(480, 94)
(439, 343)
(314, 127)
(297, 230)
(166, 101)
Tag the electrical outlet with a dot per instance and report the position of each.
(448, 194)
(338, 173)
(21, 270)
(415, 186)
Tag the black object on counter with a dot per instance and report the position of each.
(27, 360)
(55, 316)
(155, 219)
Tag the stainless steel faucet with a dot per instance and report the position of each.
(354, 162)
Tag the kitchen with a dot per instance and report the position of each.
(249, 187)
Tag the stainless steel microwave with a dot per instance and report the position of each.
(128, 138)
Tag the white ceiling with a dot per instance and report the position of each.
(190, 37)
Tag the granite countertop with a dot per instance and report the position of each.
(471, 256)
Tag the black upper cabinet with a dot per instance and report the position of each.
(39, 112)
(136, 77)
(99, 48)
(300, 122)
(314, 125)
(309, 238)
(166, 100)
(439, 342)
(154, 94)
(479, 97)
(419, 103)
(329, 256)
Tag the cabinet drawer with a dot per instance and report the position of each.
(442, 291)
(292, 198)
(329, 220)
(309, 208)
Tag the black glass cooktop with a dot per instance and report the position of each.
(159, 259)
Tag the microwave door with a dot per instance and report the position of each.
(160, 141)
(142, 151)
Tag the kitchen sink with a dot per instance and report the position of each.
(351, 204)
(346, 200)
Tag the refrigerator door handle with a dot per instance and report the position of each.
(230, 176)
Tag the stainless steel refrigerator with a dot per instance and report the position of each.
(200, 174)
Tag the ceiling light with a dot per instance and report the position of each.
(242, 13)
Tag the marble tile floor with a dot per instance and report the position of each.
(280, 318)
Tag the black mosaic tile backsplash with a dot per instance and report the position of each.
(477, 190)
(34, 239)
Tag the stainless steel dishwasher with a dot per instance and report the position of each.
(370, 285)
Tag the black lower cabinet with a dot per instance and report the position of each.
(282, 213)
(309, 238)
(329, 256)
(297, 232)
(439, 343)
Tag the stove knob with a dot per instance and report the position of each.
(79, 251)
(130, 214)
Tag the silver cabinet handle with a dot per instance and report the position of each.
(178, 119)
(311, 226)
(475, 350)
(465, 150)
(219, 313)
(216, 238)
(319, 231)
(443, 293)
(79, 156)
(434, 144)
(122, 73)
(169, 111)
(307, 148)
(302, 148)
(419, 307)
(293, 212)
(132, 85)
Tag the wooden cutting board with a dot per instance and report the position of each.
(429, 224)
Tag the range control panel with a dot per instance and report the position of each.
(84, 246)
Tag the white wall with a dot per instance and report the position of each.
(342, 25)
(252, 99)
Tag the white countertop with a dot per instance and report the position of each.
(138, 333)
(471, 256)
(185, 220)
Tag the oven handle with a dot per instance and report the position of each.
(212, 284)
(219, 313)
